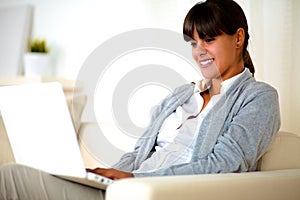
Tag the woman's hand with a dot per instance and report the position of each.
(110, 173)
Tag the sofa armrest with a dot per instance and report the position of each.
(273, 185)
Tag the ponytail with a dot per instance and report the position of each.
(248, 62)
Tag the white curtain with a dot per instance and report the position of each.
(274, 47)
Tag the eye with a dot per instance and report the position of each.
(193, 43)
(209, 39)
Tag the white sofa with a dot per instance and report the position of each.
(277, 178)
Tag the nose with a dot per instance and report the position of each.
(203, 53)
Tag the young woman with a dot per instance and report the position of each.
(221, 124)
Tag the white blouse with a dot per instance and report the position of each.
(176, 137)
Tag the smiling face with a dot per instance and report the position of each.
(218, 57)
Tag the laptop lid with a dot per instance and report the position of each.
(40, 129)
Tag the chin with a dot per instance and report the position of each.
(210, 73)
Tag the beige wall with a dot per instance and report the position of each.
(74, 28)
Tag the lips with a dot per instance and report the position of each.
(206, 62)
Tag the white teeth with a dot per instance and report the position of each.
(206, 62)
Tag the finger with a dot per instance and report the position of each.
(93, 170)
(89, 170)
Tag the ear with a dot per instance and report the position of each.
(240, 37)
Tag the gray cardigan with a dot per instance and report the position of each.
(232, 138)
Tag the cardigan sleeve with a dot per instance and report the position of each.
(132, 160)
(243, 141)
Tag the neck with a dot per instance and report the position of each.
(216, 83)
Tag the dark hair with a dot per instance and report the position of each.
(215, 17)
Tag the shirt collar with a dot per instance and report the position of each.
(202, 85)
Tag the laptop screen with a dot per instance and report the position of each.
(40, 129)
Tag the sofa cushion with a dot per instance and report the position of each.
(6, 154)
(283, 153)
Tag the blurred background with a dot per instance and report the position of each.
(74, 28)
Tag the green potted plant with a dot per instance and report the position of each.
(37, 60)
(39, 46)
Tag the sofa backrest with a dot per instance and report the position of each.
(283, 153)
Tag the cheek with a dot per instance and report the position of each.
(220, 54)
(194, 54)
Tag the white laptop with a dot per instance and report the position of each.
(41, 132)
